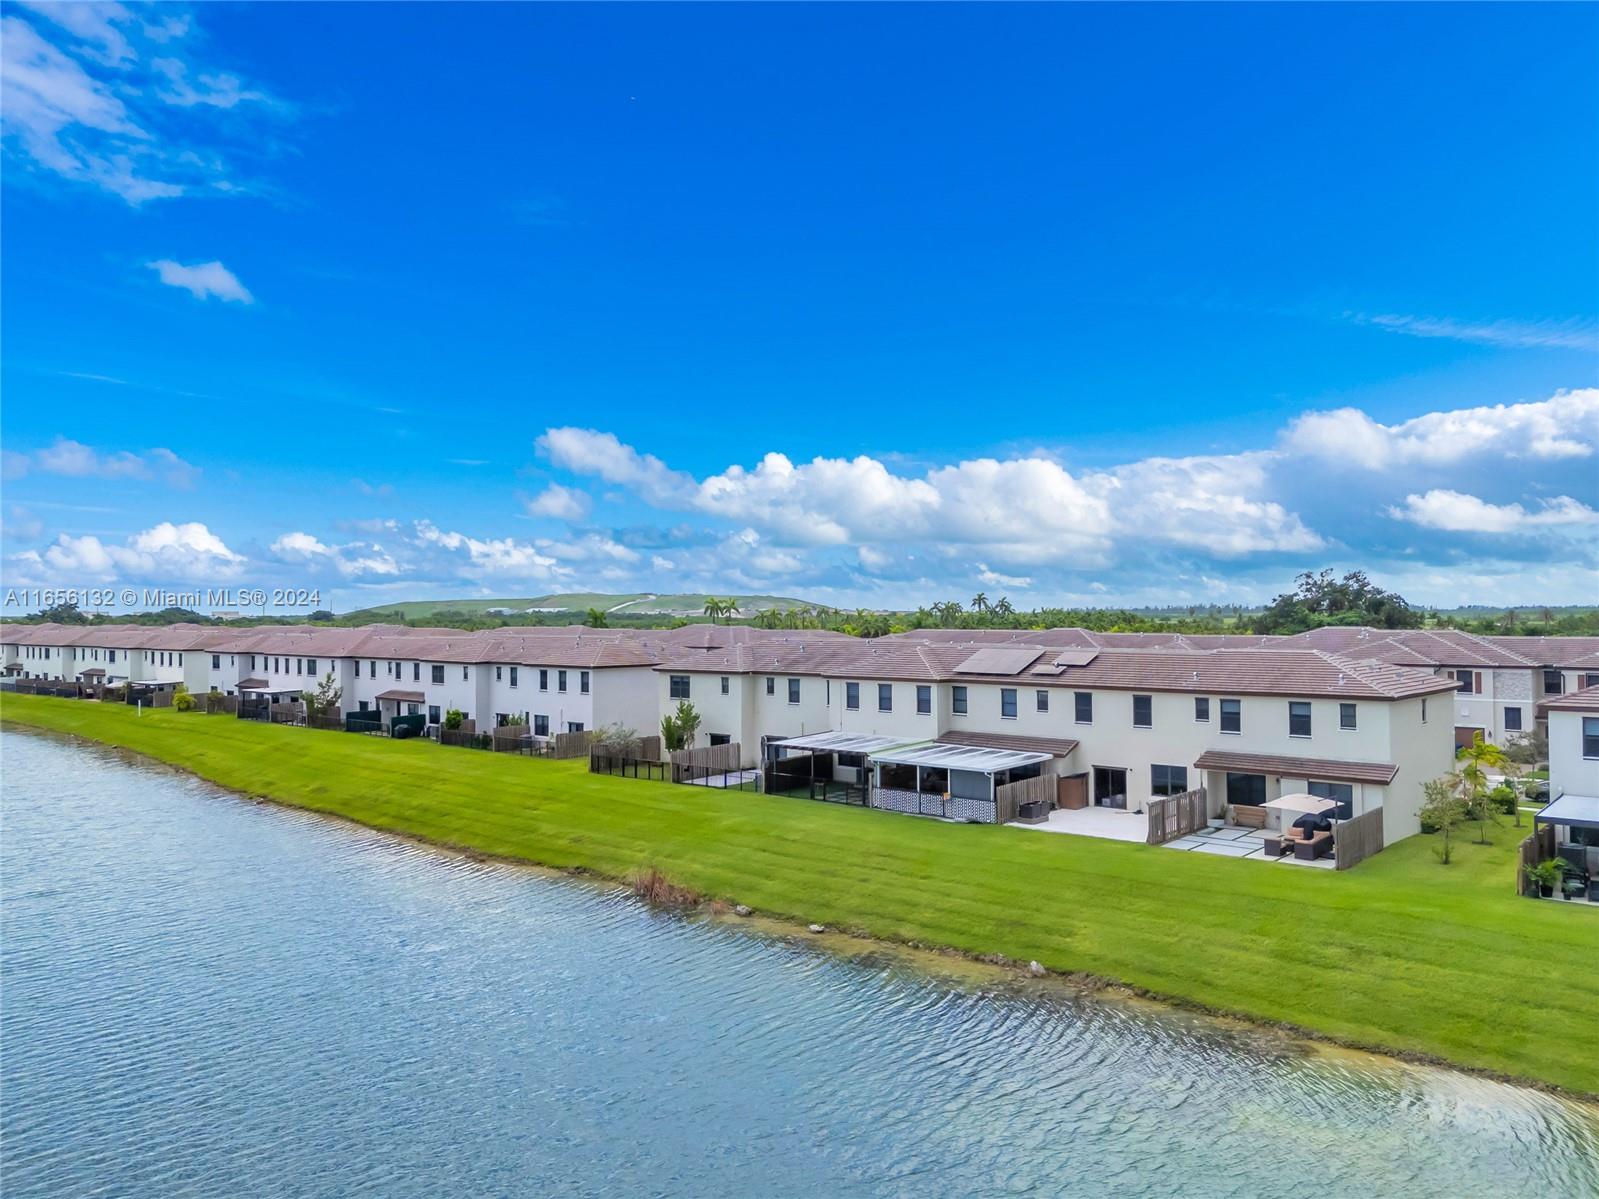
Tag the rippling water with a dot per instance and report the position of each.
(203, 996)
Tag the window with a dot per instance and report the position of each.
(885, 697)
(1554, 683)
(499, 674)
(1346, 716)
(1041, 699)
(560, 680)
(433, 713)
(1007, 703)
(1587, 680)
(771, 685)
(721, 738)
(358, 668)
(1083, 705)
(1143, 711)
(513, 676)
(1246, 789)
(1298, 718)
(310, 664)
(544, 680)
(1512, 720)
(924, 700)
(1342, 793)
(725, 685)
(1202, 708)
(678, 686)
(416, 672)
(371, 667)
(1168, 780)
(1590, 736)
(957, 700)
(216, 661)
(412, 709)
(541, 726)
(793, 691)
(438, 676)
(466, 673)
(1469, 681)
(852, 696)
(299, 666)
(1424, 711)
(363, 705)
(1232, 716)
(574, 726)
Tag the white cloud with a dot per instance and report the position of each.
(591, 547)
(86, 98)
(602, 455)
(167, 552)
(1575, 334)
(352, 561)
(76, 460)
(502, 556)
(203, 279)
(994, 579)
(560, 503)
(1456, 512)
(1564, 426)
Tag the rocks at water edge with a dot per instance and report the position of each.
(742, 909)
(1036, 969)
(818, 928)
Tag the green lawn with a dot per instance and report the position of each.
(1400, 954)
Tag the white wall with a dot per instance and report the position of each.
(1569, 772)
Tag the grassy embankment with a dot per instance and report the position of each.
(1401, 954)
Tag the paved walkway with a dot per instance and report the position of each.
(1112, 824)
(1234, 842)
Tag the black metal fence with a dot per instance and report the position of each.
(627, 767)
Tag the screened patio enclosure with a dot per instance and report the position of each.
(955, 782)
(830, 765)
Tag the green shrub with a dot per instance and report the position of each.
(1503, 799)
(182, 700)
(453, 719)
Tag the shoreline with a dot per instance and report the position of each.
(854, 942)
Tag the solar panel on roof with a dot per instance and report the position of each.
(1000, 659)
(1075, 657)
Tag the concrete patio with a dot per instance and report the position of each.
(1111, 824)
(1235, 842)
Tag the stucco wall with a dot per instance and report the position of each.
(1569, 771)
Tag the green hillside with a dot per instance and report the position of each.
(634, 604)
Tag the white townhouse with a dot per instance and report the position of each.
(38, 651)
(1574, 744)
(1559, 665)
(1119, 725)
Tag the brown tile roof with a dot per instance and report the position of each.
(252, 684)
(1297, 768)
(407, 697)
(1586, 700)
(1411, 647)
(1570, 652)
(1058, 746)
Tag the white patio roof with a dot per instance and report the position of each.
(959, 757)
(1579, 810)
(842, 743)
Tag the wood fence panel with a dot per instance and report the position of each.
(1010, 797)
(1356, 840)
(1537, 847)
(1173, 816)
(706, 760)
(573, 745)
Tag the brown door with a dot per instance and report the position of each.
(1465, 736)
(1072, 791)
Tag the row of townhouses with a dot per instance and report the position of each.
(1359, 716)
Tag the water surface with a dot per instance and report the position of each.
(204, 996)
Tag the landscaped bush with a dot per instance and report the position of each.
(182, 700)
(1503, 798)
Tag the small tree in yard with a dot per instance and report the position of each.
(1443, 810)
(1476, 760)
(678, 728)
(182, 700)
(325, 698)
(614, 738)
(453, 719)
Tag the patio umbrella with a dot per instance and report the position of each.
(1301, 802)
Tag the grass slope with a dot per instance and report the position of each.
(639, 603)
(1401, 954)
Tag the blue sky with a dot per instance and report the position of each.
(876, 305)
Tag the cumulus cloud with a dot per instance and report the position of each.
(1563, 426)
(1457, 512)
(164, 552)
(353, 560)
(560, 503)
(501, 557)
(202, 280)
(75, 460)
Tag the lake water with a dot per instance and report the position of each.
(204, 996)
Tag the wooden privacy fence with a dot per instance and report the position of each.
(1538, 847)
(214, 703)
(291, 712)
(465, 737)
(1356, 840)
(705, 761)
(1010, 797)
(572, 745)
(1173, 816)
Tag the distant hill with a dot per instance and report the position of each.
(635, 604)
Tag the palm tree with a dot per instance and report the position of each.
(1004, 607)
(1476, 760)
(595, 619)
(980, 602)
(713, 608)
(729, 610)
